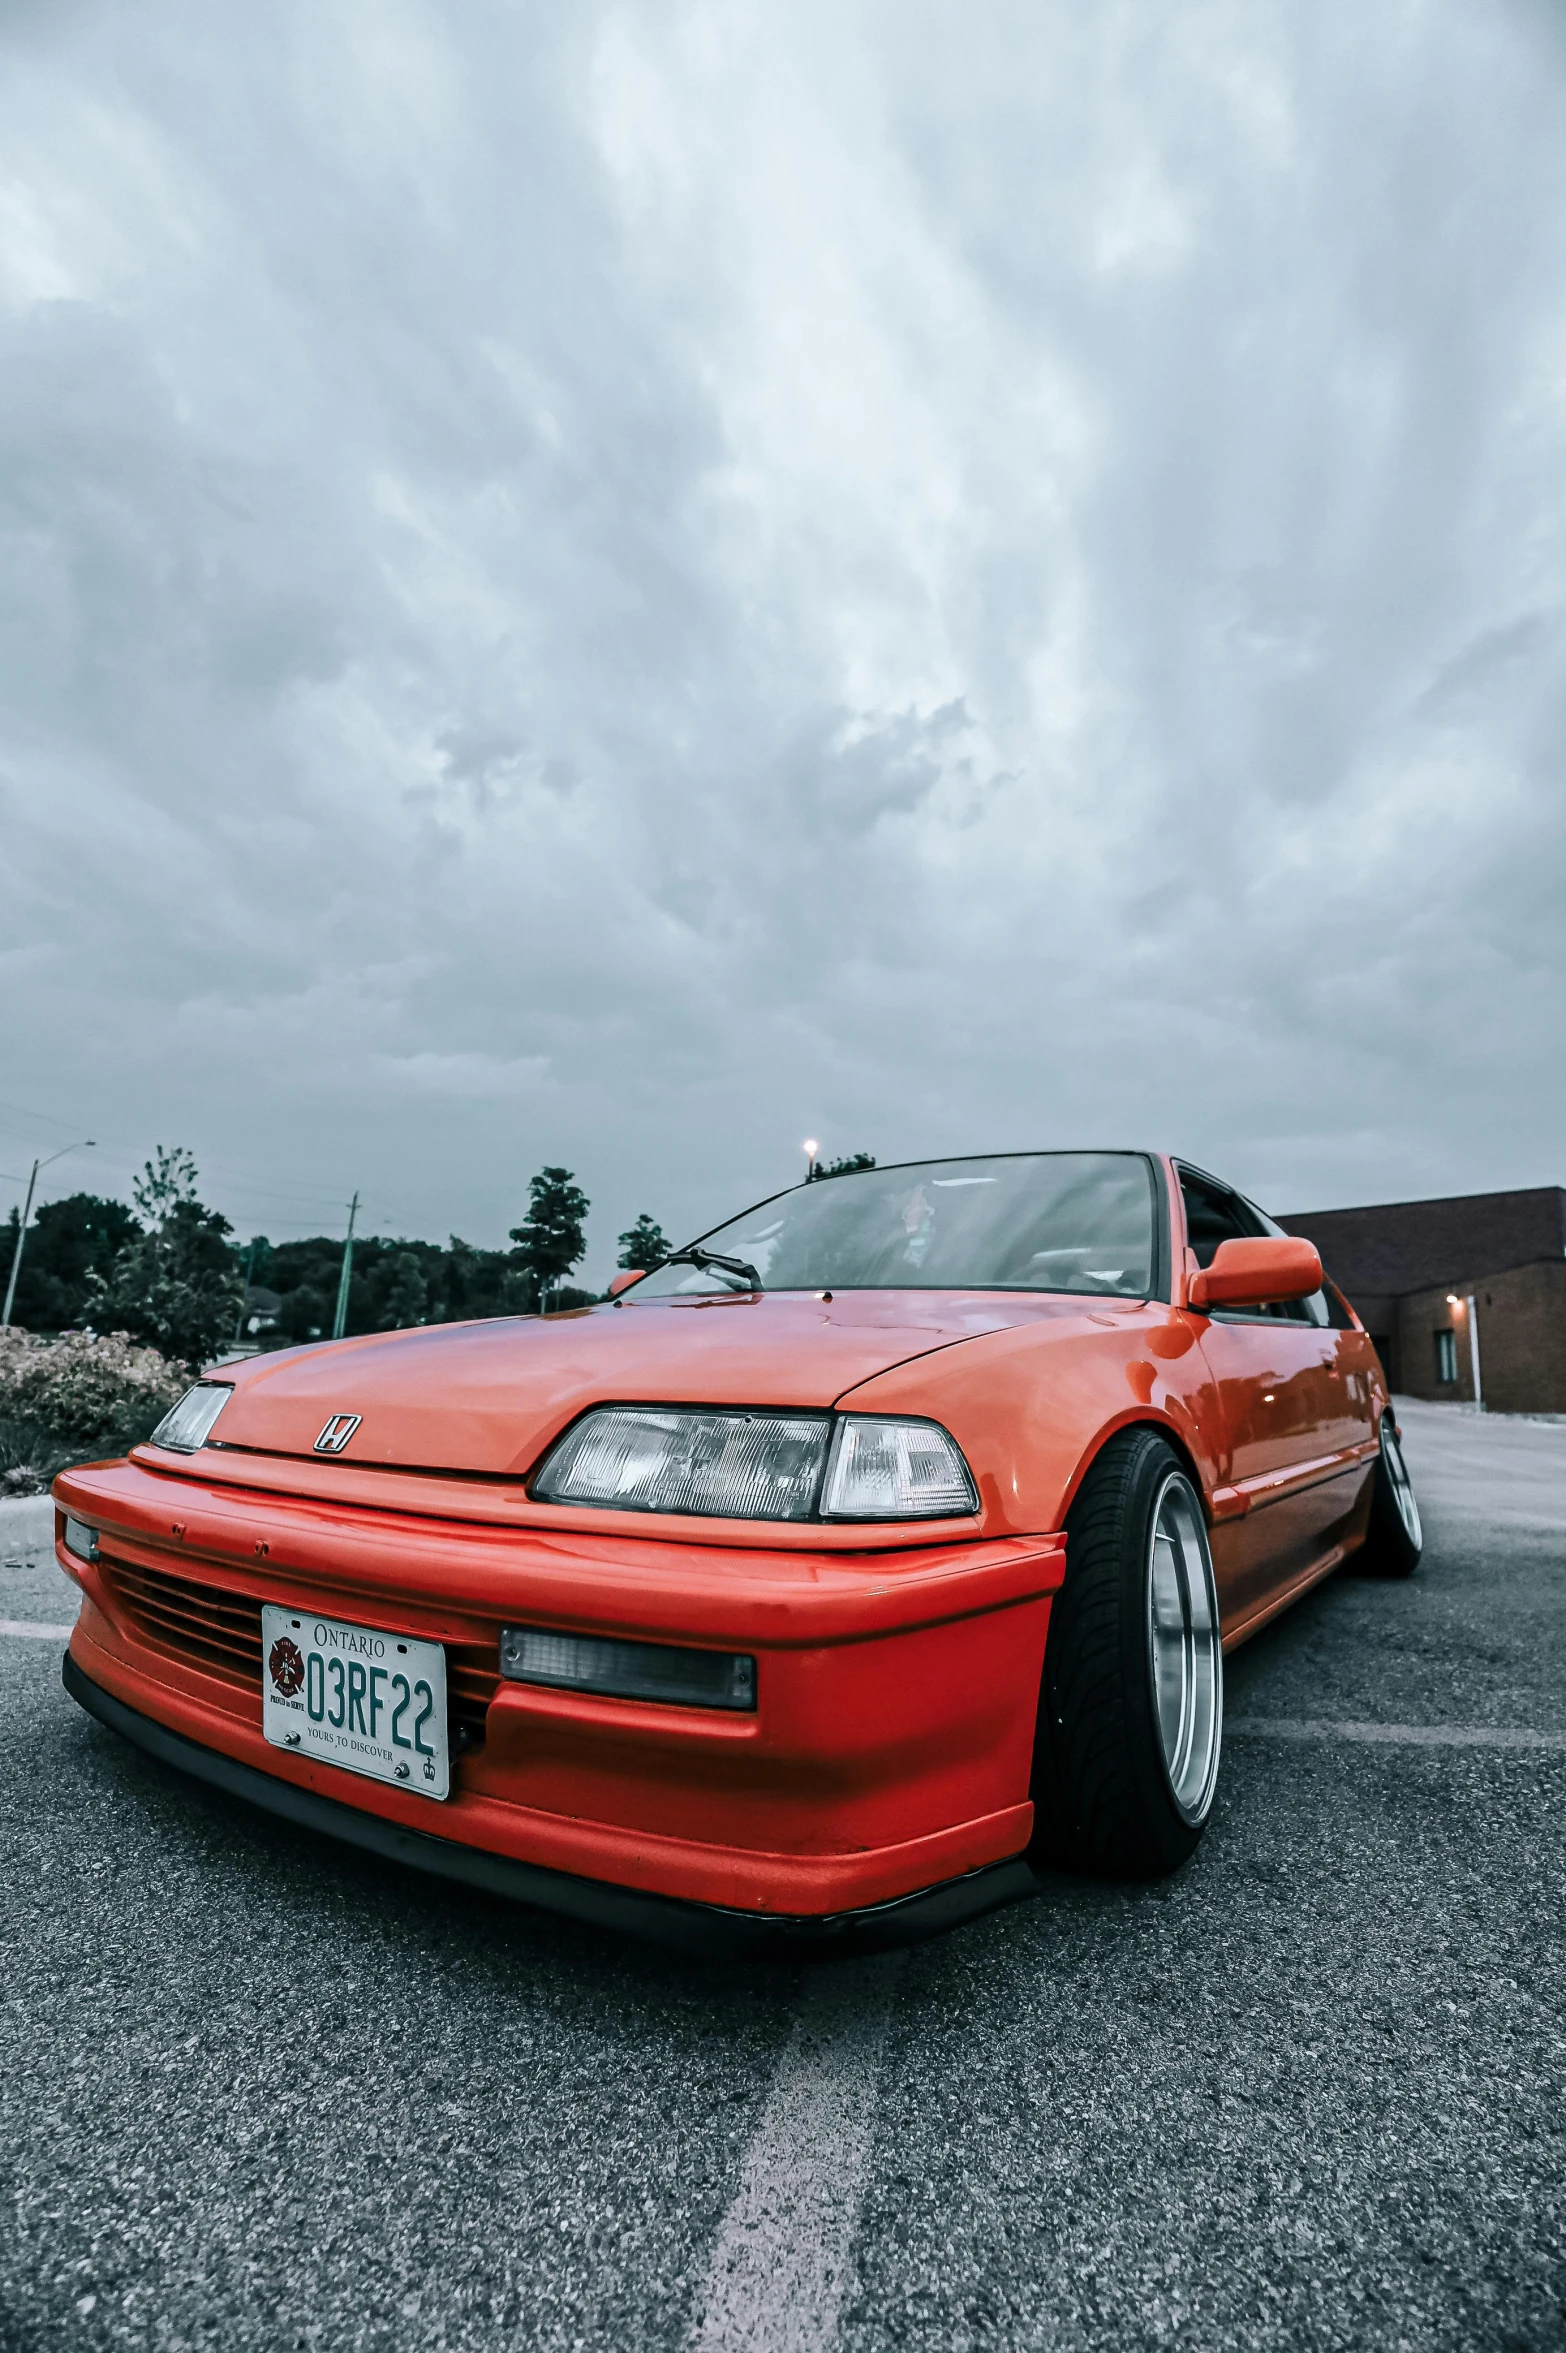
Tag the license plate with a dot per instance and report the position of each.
(371, 1702)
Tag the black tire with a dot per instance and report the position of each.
(1102, 1789)
(1395, 1539)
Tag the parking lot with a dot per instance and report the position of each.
(258, 2090)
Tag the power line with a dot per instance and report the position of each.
(235, 1183)
(47, 1118)
(273, 1192)
(221, 1168)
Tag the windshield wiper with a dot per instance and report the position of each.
(694, 1255)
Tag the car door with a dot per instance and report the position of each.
(1291, 1431)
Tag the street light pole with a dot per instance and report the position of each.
(811, 1149)
(86, 1145)
(340, 1320)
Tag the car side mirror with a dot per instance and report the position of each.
(1255, 1273)
(625, 1278)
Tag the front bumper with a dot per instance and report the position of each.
(711, 1931)
(888, 1758)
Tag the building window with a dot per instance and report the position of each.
(1446, 1357)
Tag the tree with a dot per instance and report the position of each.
(459, 1282)
(68, 1242)
(259, 1255)
(176, 1285)
(644, 1244)
(167, 1182)
(844, 1167)
(407, 1295)
(303, 1314)
(551, 1240)
(475, 1282)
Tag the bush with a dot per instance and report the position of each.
(71, 1399)
(29, 1457)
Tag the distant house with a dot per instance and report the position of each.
(1443, 1286)
(260, 1313)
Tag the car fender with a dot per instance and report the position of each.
(1031, 1407)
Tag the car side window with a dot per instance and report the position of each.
(1214, 1214)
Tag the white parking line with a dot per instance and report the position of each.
(779, 2271)
(1393, 1735)
(30, 1629)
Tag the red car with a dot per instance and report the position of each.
(870, 1551)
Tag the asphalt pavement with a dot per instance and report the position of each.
(257, 2090)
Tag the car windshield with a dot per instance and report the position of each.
(1024, 1221)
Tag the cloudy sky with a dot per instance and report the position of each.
(626, 585)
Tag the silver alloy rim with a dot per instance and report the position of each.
(1185, 1648)
(1402, 1486)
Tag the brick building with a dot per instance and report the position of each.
(1411, 1269)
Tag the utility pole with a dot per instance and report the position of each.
(340, 1320)
(86, 1145)
(239, 1320)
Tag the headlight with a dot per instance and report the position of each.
(743, 1466)
(187, 1425)
(758, 1466)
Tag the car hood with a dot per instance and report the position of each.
(487, 1398)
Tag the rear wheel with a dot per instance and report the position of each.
(1395, 1538)
(1131, 1711)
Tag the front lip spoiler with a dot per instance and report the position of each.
(711, 1931)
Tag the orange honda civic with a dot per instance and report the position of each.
(873, 1550)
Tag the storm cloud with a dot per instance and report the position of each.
(624, 585)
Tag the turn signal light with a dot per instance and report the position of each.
(81, 1539)
(628, 1670)
(188, 1425)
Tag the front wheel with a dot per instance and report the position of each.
(1131, 1712)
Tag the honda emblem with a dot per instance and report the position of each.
(337, 1433)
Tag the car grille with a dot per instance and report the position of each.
(221, 1633)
